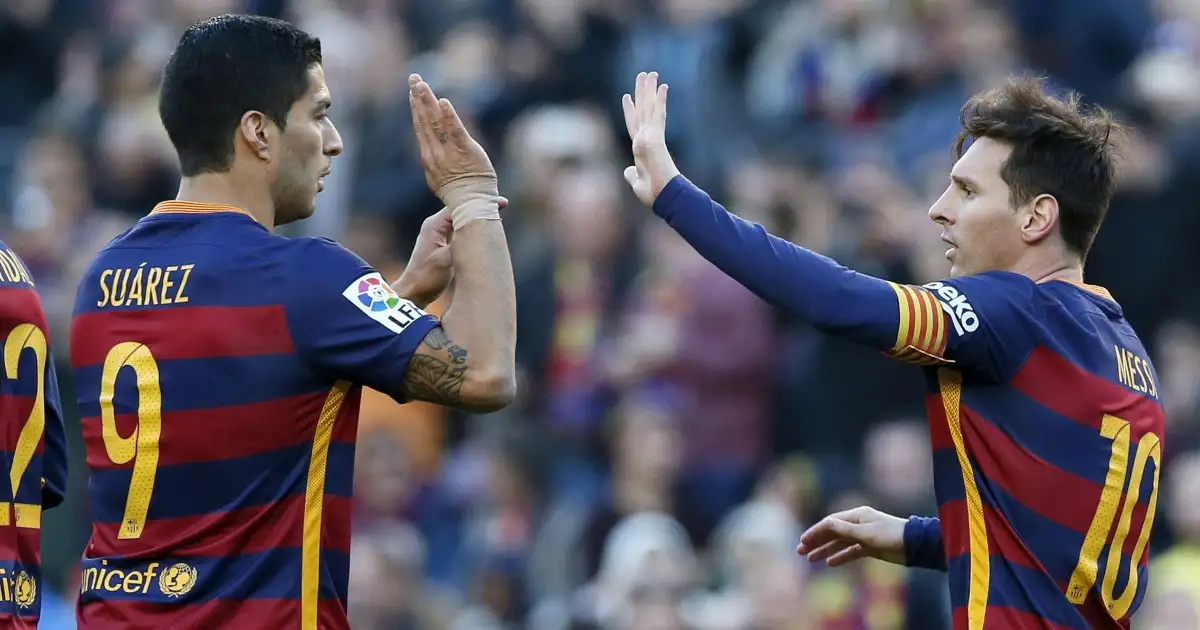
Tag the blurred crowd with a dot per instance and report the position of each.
(673, 434)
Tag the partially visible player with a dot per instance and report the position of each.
(33, 445)
(219, 365)
(1043, 406)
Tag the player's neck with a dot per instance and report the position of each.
(1060, 268)
(223, 189)
(1071, 274)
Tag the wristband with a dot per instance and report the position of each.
(481, 208)
(470, 199)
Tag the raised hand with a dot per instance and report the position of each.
(457, 168)
(646, 121)
(847, 536)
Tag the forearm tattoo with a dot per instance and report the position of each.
(437, 370)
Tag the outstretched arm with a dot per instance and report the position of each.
(865, 532)
(892, 317)
(970, 321)
(901, 320)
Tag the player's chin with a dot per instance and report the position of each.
(957, 268)
(295, 212)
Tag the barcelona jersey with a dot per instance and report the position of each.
(1047, 432)
(32, 442)
(219, 368)
(1044, 411)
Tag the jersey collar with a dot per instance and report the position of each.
(1092, 288)
(194, 207)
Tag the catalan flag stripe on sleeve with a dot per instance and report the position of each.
(921, 335)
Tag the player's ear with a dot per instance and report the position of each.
(253, 131)
(1038, 218)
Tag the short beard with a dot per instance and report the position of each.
(292, 203)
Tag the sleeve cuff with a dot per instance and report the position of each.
(664, 203)
(923, 543)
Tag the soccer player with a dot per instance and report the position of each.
(1043, 407)
(32, 442)
(219, 365)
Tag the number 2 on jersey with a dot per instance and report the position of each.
(141, 446)
(26, 337)
(1148, 448)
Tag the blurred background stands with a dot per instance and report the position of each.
(674, 434)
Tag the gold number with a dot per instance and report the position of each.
(23, 337)
(1149, 448)
(141, 446)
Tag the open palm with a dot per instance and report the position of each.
(862, 532)
(646, 121)
(454, 161)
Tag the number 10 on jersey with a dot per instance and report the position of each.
(1148, 449)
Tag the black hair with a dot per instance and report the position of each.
(222, 68)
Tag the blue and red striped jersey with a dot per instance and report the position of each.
(1047, 434)
(32, 442)
(1044, 413)
(219, 368)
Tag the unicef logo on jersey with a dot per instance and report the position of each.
(376, 295)
(20, 589)
(25, 590)
(101, 580)
(177, 579)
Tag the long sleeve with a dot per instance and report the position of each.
(904, 321)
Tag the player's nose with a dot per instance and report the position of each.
(333, 143)
(940, 211)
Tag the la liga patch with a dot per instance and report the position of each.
(375, 297)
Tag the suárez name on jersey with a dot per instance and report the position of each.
(962, 314)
